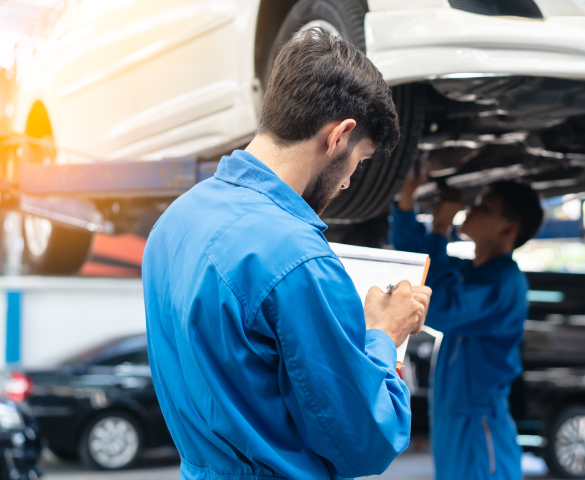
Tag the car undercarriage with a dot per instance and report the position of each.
(480, 129)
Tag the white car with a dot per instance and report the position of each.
(485, 89)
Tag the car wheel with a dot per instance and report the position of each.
(374, 186)
(52, 249)
(566, 446)
(65, 455)
(111, 441)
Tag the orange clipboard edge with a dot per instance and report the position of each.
(424, 279)
(427, 265)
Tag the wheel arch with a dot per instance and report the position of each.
(271, 14)
(560, 404)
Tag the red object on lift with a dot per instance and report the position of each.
(115, 256)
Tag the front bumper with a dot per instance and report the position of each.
(417, 44)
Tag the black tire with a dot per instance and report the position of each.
(373, 187)
(90, 460)
(61, 252)
(65, 455)
(347, 16)
(566, 466)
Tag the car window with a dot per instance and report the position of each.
(139, 357)
(105, 350)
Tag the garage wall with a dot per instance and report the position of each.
(43, 319)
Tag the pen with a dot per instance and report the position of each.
(400, 349)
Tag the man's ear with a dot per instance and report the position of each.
(338, 135)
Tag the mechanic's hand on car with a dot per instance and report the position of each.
(449, 203)
(399, 313)
(417, 175)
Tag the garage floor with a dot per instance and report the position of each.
(409, 466)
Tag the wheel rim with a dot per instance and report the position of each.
(113, 442)
(570, 445)
(323, 25)
(37, 232)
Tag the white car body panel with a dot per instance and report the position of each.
(150, 79)
(133, 71)
(417, 44)
(548, 8)
(557, 8)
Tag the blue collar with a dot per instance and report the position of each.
(244, 169)
(493, 264)
(507, 257)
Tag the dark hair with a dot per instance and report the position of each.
(319, 78)
(521, 204)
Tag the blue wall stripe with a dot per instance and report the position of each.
(13, 302)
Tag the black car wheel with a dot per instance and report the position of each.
(52, 249)
(111, 441)
(374, 186)
(566, 446)
(65, 455)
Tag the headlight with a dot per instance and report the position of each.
(10, 418)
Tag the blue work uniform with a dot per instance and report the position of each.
(257, 339)
(481, 312)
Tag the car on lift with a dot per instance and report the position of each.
(98, 405)
(548, 399)
(485, 89)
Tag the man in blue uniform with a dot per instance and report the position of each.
(264, 361)
(480, 306)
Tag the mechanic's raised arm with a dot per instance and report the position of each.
(408, 234)
(337, 380)
(411, 236)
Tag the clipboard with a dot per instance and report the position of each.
(369, 267)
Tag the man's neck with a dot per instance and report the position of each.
(487, 252)
(292, 164)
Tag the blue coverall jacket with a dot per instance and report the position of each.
(481, 312)
(257, 340)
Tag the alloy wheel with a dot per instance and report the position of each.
(113, 442)
(570, 445)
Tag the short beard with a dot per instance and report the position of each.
(325, 188)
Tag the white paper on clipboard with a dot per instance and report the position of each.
(369, 267)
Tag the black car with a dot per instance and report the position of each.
(548, 400)
(20, 441)
(99, 405)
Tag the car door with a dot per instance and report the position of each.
(124, 377)
(552, 353)
(121, 71)
(555, 329)
(128, 382)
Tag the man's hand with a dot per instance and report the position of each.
(399, 313)
(449, 204)
(415, 178)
